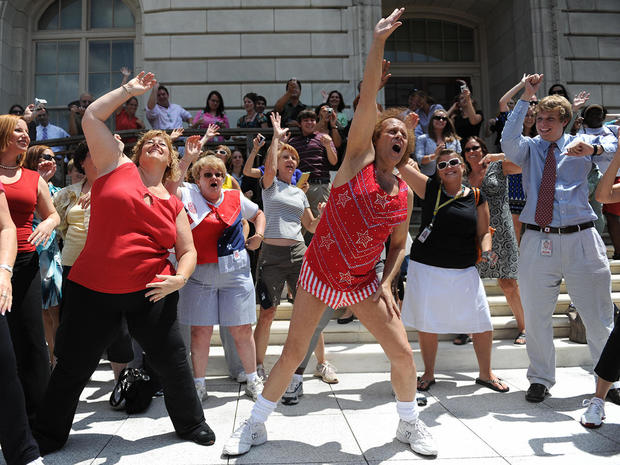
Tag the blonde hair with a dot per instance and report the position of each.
(288, 148)
(394, 113)
(552, 103)
(172, 171)
(210, 161)
(7, 126)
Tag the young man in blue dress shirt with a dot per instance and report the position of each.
(560, 240)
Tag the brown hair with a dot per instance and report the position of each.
(33, 154)
(210, 161)
(449, 132)
(172, 171)
(288, 148)
(395, 113)
(483, 149)
(555, 102)
(452, 154)
(7, 126)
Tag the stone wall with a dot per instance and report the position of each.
(240, 46)
(13, 54)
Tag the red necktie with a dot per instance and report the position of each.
(544, 206)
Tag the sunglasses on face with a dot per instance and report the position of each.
(533, 103)
(210, 175)
(442, 165)
(221, 152)
(472, 148)
(440, 118)
(46, 156)
(17, 112)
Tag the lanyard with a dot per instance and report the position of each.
(437, 206)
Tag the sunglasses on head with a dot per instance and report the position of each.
(440, 118)
(442, 165)
(210, 175)
(472, 149)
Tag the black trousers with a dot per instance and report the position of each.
(18, 445)
(608, 366)
(91, 321)
(26, 327)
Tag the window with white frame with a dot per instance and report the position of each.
(80, 45)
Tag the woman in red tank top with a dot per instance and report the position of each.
(123, 272)
(339, 264)
(26, 192)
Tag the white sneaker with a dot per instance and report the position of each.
(417, 436)
(327, 372)
(201, 390)
(254, 388)
(294, 391)
(242, 377)
(244, 437)
(595, 414)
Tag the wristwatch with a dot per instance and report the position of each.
(6, 267)
(595, 147)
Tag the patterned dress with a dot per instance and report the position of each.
(495, 188)
(339, 265)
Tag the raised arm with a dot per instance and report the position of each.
(248, 168)
(365, 117)
(414, 178)
(468, 109)
(271, 163)
(309, 221)
(106, 149)
(126, 72)
(192, 150)
(153, 97)
(503, 102)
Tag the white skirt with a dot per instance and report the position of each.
(445, 300)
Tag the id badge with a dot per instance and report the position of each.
(546, 247)
(424, 234)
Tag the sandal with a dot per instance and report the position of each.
(461, 339)
(494, 384)
(520, 339)
(425, 384)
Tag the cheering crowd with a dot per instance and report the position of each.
(145, 240)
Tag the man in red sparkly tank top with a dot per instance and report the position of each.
(364, 186)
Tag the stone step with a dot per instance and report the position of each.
(504, 327)
(497, 303)
(367, 358)
(492, 288)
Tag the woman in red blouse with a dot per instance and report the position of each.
(123, 271)
(26, 192)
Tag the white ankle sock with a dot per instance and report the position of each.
(297, 377)
(251, 377)
(38, 461)
(262, 409)
(199, 380)
(407, 411)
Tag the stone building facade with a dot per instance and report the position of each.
(51, 50)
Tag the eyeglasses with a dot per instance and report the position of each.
(440, 118)
(472, 149)
(442, 165)
(533, 102)
(221, 152)
(17, 112)
(210, 175)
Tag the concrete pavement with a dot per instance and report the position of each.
(354, 422)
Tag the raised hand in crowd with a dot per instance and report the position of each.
(532, 84)
(212, 131)
(176, 133)
(126, 72)
(580, 100)
(248, 168)
(29, 113)
(385, 73)
(47, 169)
(412, 120)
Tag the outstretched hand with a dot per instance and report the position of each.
(385, 73)
(212, 131)
(386, 26)
(176, 133)
(192, 148)
(142, 83)
(276, 122)
(412, 120)
(580, 100)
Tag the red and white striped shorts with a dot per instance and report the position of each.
(331, 297)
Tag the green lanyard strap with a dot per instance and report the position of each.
(437, 206)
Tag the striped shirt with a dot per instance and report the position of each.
(284, 205)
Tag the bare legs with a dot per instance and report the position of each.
(51, 321)
(261, 333)
(428, 347)
(510, 288)
(201, 345)
(245, 346)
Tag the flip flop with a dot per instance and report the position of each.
(520, 339)
(492, 384)
(425, 384)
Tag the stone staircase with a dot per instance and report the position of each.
(351, 348)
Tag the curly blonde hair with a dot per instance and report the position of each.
(394, 113)
(555, 102)
(210, 161)
(172, 171)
